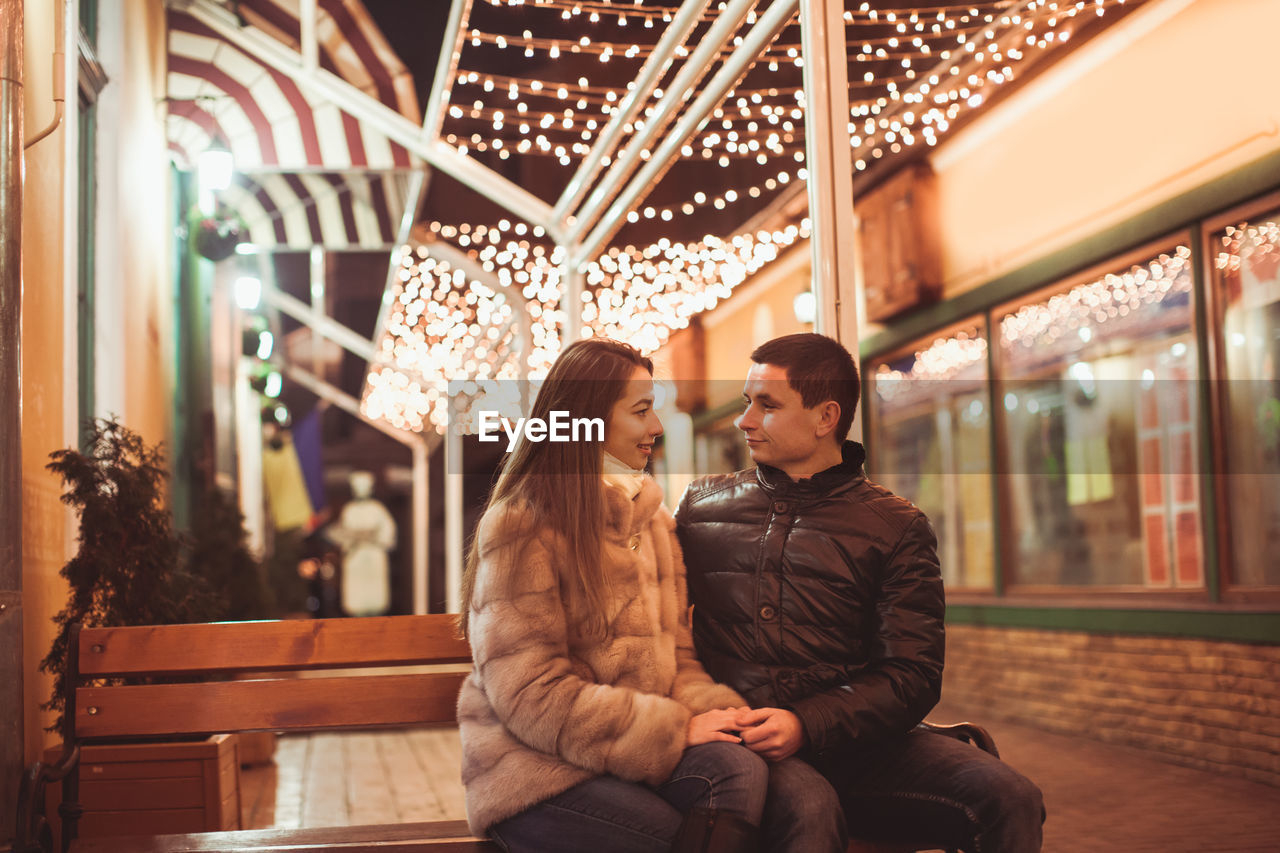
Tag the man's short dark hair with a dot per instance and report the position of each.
(819, 369)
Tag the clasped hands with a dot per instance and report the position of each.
(773, 733)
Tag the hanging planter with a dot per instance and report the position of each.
(216, 237)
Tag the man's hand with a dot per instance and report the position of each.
(713, 726)
(773, 733)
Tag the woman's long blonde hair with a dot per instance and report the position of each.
(560, 482)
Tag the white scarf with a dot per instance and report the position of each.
(623, 476)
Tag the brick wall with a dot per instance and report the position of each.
(1207, 704)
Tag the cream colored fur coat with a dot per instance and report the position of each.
(546, 709)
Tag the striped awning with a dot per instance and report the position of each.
(309, 173)
(337, 211)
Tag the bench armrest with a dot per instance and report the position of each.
(967, 732)
(33, 834)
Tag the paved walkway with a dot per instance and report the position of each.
(1101, 798)
(1104, 798)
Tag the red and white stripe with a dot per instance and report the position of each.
(301, 158)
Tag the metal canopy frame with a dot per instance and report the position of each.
(586, 212)
(597, 196)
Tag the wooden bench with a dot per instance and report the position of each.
(275, 699)
(177, 701)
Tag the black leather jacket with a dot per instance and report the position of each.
(821, 596)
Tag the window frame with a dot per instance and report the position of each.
(1125, 595)
(1231, 592)
(873, 423)
(1244, 616)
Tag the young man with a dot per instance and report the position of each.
(817, 596)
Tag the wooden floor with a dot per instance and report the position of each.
(353, 778)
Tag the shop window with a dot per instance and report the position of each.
(1100, 430)
(1246, 277)
(931, 445)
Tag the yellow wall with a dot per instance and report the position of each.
(1168, 99)
(134, 284)
(760, 309)
(135, 329)
(144, 217)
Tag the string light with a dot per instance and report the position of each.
(560, 119)
(1112, 304)
(443, 324)
(1257, 243)
(623, 15)
(946, 359)
(913, 74)
(1113, 299)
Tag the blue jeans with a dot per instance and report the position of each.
(609, 815)
(923, 788)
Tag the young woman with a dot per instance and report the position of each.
(588, 724)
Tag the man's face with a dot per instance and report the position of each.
(780, 431)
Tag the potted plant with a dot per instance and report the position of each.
(216, 235)
(127, 570)
(133, 568)
(216, 551)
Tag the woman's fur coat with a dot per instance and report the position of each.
(547, 708)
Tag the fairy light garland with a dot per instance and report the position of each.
(1257, 243)
(1108, 304)
(532, 45)
(1113, 298)
(453, 328)
(441, 324)
(596, 11)
(445, 325)
(561, 119)
(945, 359)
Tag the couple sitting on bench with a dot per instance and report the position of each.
(589, 724)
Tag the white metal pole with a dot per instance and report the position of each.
(446, 67)
(674, 99)
(628, 109)
(828, 157)
(774, 19)
(351, 341)
(248, 436)
(310, 45)
(344, 401)
(493, 186)
(453, 540)
(317, 305)
(421, 509)
(571, 281)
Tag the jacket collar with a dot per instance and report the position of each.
(625, 516)
(837, 478)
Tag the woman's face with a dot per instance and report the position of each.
(633, 425)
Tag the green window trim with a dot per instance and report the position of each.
(1177, 214)
(1227, 625)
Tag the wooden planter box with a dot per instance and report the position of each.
(257, 748)
(155, 788)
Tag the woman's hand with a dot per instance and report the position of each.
(712, 726)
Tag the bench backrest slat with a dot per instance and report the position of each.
(271, 646)
(278, 704)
